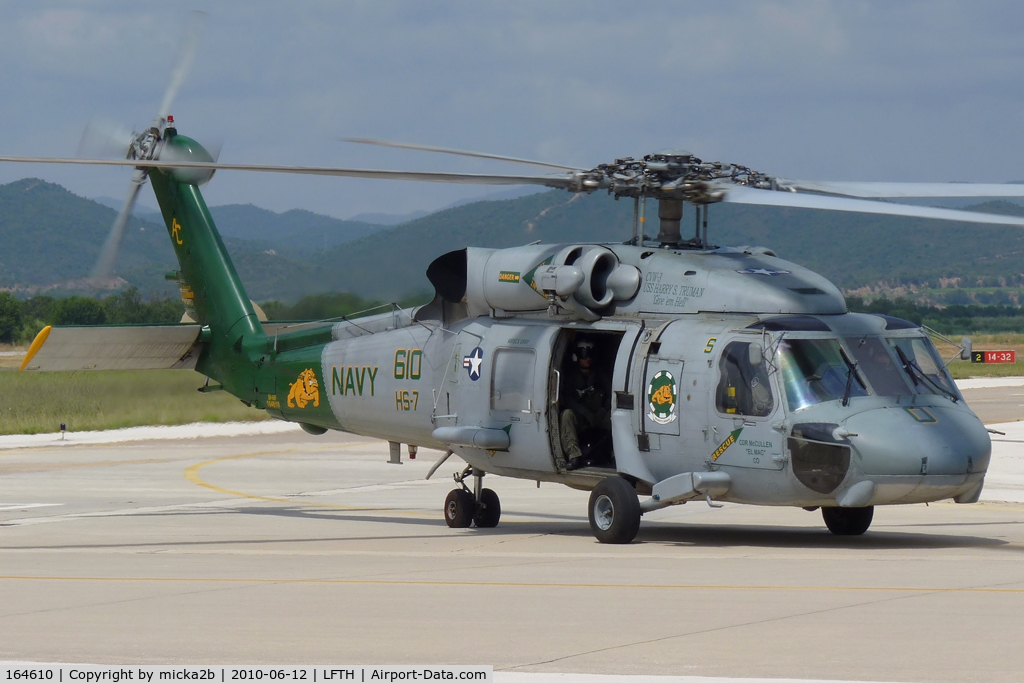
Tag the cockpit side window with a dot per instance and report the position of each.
(923, 365)
(874, 361)
(743, 389)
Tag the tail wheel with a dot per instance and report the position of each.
(488, 512)
(848, 521)
(614, 511)
(459, 508)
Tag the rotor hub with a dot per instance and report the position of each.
(145, 145)
(674, 176)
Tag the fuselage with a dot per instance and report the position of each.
(830, 408)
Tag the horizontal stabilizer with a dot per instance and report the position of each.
(129, 347)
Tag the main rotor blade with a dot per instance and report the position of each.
(104, 267)
(872, 190)
(185, 57)
(748, 195)
(565, 182)
(457, 152)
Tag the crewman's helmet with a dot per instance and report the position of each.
(584, 350)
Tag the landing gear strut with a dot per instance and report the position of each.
(463, 507)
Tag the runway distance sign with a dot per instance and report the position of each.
(993, 356)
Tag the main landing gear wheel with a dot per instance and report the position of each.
(488, 510)
(459, 509)
(614, 511)
(848, 521)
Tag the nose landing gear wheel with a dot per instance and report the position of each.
(459, 508)
(848, 521)
(488, 512)
(614, 511)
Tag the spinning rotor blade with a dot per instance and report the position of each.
(748, 195)
(565, 182)
(104, 267)
(444, 150)
(188, 53)
(873, 190)
(105, 138)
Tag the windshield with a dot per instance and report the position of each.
(813, 371)
(923, 365)
(874, 361)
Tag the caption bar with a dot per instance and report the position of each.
(104, 673)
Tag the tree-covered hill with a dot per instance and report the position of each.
(51, 237)
(853, 250)
(296, 230)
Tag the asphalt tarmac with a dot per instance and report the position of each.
(289, 548)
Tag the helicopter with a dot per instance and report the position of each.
(652, 372)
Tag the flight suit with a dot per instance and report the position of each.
(586, 408)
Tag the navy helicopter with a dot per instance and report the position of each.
(650, 372)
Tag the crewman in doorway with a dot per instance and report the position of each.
(586, 408)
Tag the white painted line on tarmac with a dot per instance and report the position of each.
(195, 430)
(26, 506)
(989, 382)
(367, 488)
(127, 512)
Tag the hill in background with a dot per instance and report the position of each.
(52, 237)
(936, 260)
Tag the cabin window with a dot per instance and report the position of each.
(743, 389)
(512, 380)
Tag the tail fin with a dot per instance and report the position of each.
(235, 338)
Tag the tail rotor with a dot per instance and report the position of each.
(107, 138)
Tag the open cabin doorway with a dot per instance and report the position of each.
(579, 414)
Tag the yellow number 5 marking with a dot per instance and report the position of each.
(175, 229)
(711, 345)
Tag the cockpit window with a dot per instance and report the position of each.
(874, 361)
(923, 366)
(814, 371)
(744, 389)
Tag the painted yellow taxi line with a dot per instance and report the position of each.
(192, 474)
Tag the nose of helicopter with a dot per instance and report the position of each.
(919, 441)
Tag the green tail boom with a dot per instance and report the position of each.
(235, 343)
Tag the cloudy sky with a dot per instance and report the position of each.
(847, 90)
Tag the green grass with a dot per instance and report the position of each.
(961, 369)
(111, 399)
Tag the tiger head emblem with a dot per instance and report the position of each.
(304, 390)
